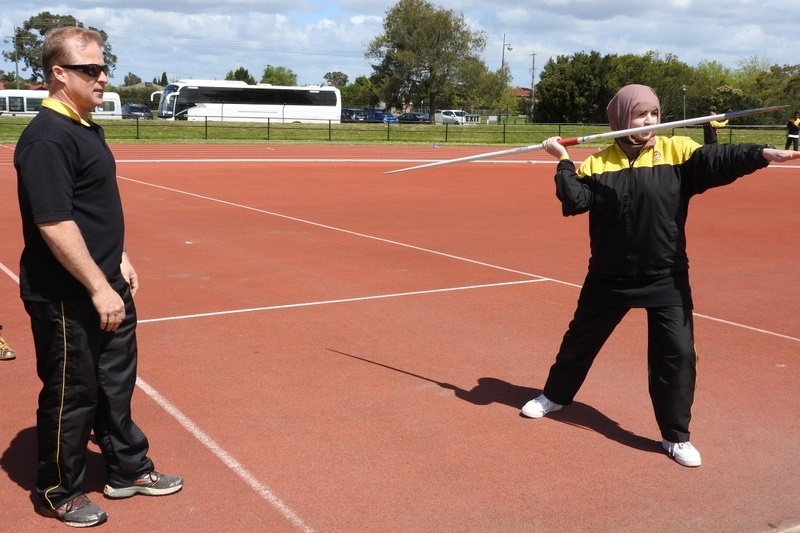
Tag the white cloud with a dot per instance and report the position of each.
(208, 38)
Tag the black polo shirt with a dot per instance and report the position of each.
(65, 171)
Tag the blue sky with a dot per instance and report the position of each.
(205, 39)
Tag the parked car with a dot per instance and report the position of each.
(353, 115)
(414, 118)
(450, 116)
(139, 111)
(376, 115)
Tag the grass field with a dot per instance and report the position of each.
(157, 131)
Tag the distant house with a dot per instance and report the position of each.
(522, 92)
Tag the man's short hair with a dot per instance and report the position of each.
(56, 50)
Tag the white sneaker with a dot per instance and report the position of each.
(683, 452)
(538, 407)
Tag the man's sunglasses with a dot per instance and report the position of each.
(91, 69)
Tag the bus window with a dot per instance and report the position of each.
(34, 104)
(16, 104)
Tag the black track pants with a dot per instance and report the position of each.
(88, 377)
(671, 359)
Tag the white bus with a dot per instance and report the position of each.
(240, 102)
(23, 102)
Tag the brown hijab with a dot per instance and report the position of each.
(628, 102)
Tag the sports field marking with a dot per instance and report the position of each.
(413, 247)
(332, 228)
(227, 459)
(9, 273)
(744, 326)
(264, 491)
(363, 160)
(340, 301)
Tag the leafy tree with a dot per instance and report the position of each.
(777, 85)
(481, 89)
(422, 54)
(132, 79)
(359, 94)
(336, 79)
(241, 74)
(135, 95)
(279, 76)
(666, 75)
(8, 78)
(726, 98)
(575, 88)
(28, 40)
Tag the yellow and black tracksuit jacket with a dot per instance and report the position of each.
(638, 209)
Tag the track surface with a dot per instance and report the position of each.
(327, 348)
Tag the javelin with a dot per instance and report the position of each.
(598, 136)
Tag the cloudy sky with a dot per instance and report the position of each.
(205, 39)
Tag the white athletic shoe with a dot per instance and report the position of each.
(683, 452)
(538, 407)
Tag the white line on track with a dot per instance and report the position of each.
(9, 273)
(363, 160)
(340, 301)
(332, 228)
(264, 491)
(410, 246)
(229, 461)
(310, 160)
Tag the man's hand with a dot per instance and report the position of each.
(109, 307)
(129, 273)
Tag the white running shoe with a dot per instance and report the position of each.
(683, 452)
(538, 407)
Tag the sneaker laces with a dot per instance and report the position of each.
(78, 502)
(676, 447)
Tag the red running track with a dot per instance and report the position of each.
(327, 348)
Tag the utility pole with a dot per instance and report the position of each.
(533, 84)
(506, 46)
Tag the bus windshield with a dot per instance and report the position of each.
(167, 104)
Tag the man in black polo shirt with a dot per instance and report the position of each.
(77, 284)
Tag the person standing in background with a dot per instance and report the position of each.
(6, 353)
(711, 128)
(793, 131)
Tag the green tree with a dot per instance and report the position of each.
(575, 88)
(28, 40)
(336, 79)
(279, 76)
(422, 53)
(727, 98)
(241, 74)
(132, 79)
(666, 75)
(359, 94)
(8, 78)
(779, 85)
(481, 89)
